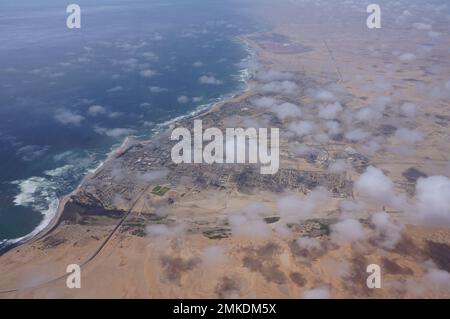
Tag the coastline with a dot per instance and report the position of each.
(201, 110)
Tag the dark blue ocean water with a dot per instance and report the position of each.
(67, 97)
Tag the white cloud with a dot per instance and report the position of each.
(432, 200)
(422, 26)
(67, 117)
(157, 89)
(147, 73)
(407, 57)
(375, 185)
(249, 221)
(368, 114)
(198, 64)
(302, 128)
(245, 226)
(325, 96)
(273, 75)
(317, 293)
(308, 243)
(161, 230)
(409, 136)
(357, 135)
(151, 56)
(115, 89)
(438, 278)
(333, 127)
(279, 87)
(210, 80)
(183, 99)
(330, 111)
(95, 110)
(388, 233)
(115, 132)
(337, 167)
(265, 102)
(347, 231)
(287, 110)
(212, 255)
(154, 175)
(408, 109)
(293, 208)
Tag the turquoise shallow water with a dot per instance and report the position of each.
(67, 97)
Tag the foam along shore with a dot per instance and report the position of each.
(52, 215)
(56, 209)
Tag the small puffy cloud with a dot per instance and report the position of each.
(29, 153)
(117, 88)
(293, 208)
(380, 103)
(95, 110)
(279, 87)
(388, 233)
(308, 243)
(347, 231)
(115, 132)
(432, 200)
(375, 185)
(287, 110)
(337, 167)
(301, 128)
(422, 26)
(324, 96)
(434, 34)
(357, 135)
(198, 64)
(333, 127)
(151, 56)
(249, 226)
(210, 80)
(273, 75)
(409, 136)
(407, 57)
(183, 99)
(154, 175)
(438, 278)
(330, 111)
(265, 102)
(317, 293)
(447, 85)
(368, 114)
(249, 221)
(147, 73)
(156, 89)
(301, 149)
(115, 115)
(371, 147)
(161, 230)
(408, 109)
(68, 118)
(213, 255)
(321, 138)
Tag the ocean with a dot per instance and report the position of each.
(68, 97)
